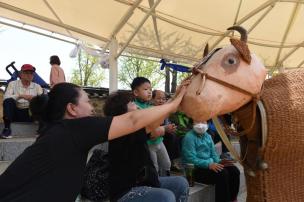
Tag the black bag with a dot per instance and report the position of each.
(96, 177)
(147, 176)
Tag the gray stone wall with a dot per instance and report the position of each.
(98, 103)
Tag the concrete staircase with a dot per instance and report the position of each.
(24, 134)
(23, 129)
(4, 165)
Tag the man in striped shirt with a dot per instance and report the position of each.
(17, 97)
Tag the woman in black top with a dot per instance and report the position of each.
(132, 173)
(52, 168)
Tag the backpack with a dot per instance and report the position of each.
(96, 177)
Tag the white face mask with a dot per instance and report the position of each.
(200, 128)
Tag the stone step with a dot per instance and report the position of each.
(201, 193)
(4, 165)
(22, 129)
(11, 148)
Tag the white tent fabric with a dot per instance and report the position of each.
(176, 29)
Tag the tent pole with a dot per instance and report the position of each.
(113, 71)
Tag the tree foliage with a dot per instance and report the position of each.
(88, 71)
(131, 67)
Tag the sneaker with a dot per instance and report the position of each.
(6, 133)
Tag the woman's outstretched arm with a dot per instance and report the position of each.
(135, 120)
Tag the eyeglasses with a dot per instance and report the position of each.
(162, 99)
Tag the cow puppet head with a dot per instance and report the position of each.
(237, 76)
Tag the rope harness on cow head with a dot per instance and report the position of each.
(255, 97)
(243, 50)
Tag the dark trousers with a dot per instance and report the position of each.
(172, 143)
(12, 114)
(227, 182)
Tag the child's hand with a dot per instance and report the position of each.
(159, 131)
(185, 83)
(170, 128)
(180, 92)
(216, 167)
(226, 162)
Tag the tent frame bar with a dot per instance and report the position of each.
(122, 22)
(53, 22)
(289, 25)
(151, 2)
(300, 64)
(55, 14)
(245, 18)
(261, 18)
(138, 28)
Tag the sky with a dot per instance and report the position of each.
(25, 47)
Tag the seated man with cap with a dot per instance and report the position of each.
(17, 97)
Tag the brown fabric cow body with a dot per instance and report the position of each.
(283, 99)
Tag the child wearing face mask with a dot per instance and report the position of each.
(198, 149)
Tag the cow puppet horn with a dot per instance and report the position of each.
(241, 45)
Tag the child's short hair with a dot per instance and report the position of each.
(138, 81)
(116, 103)
(54, 60)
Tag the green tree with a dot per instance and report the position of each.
(131, 67)
(88, 71)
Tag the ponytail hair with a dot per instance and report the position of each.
(52, 107)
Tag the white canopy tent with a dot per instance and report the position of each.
(172, 29)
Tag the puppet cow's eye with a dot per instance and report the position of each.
(231, 60)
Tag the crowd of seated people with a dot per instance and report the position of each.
(147, 154)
